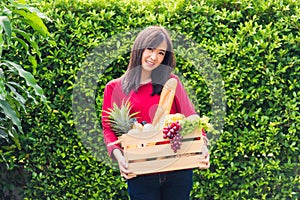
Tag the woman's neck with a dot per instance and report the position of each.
(145, 77)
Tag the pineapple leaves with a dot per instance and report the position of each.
(120, 118)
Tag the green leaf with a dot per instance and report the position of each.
(3, 134)
(14, 136)
(24, 90)
(1, 43)
(30, 80)
(31, 9)
(11, 114)
(3, 92)
(21, 1)
(32, 43)
(23, 43)
(5, 24)
(33, 62)
(23, 33)
(34, 21)
(19, 98)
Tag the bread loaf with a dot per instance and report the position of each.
(165, 102)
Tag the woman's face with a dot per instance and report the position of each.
(153, 57)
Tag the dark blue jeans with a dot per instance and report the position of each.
(175, 185)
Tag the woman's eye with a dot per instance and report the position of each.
(149, 48)
(162, 53)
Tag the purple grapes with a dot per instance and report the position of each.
(172, 132)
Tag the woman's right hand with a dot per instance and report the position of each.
(123, 165)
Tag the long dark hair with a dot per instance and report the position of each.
(150, 37)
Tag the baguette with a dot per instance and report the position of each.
(165, 102)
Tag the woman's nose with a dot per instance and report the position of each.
(153, 55)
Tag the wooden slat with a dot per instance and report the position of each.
(163, 150)
(149, 137)
(166, 165)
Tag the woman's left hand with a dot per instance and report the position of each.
(205, 163)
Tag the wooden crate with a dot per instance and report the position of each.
(148, 152)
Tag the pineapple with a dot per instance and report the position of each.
(120, 119)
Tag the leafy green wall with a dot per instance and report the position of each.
(256, 48)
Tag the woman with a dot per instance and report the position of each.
(151, 64)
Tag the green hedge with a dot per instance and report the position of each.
(255, 46)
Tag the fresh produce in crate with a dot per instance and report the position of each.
(176, 126)
(171, 142)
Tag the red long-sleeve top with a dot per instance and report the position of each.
(141, 102)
